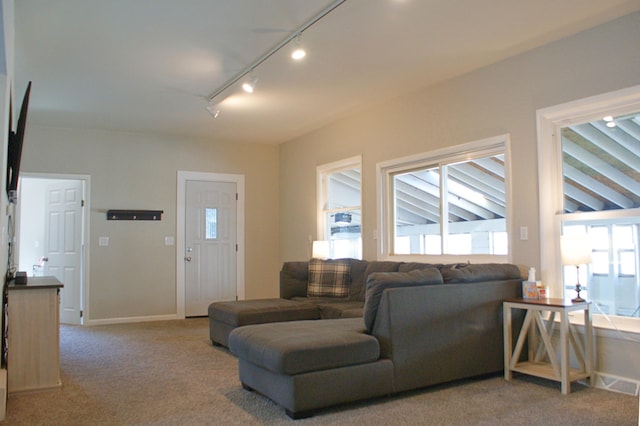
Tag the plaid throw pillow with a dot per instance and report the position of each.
(329, 278)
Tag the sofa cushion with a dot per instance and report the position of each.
(257, 311)
(358, 269)
(304, 346)
(360, 273)
(294, 277)
(410, 266)
(338, 309)
(329, 278)
(331, 307)
(377, 282)
(353, 312)
(471, 273)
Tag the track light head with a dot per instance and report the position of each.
(250, 85)
(298, 51)
(213, 110)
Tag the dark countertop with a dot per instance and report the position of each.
(37, 282)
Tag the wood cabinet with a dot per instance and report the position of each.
(33, 361)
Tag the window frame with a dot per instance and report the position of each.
(322, 171)
(386, 171)
(550, 178)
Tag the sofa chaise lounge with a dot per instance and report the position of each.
(421, 325)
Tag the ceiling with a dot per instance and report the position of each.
(150, 65)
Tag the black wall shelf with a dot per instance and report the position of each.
(134, 214)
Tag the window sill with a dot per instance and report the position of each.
(611, 325)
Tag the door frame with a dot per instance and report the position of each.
(85, 234)
(183, 177)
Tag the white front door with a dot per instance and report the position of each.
(63, 244)
(210, 249)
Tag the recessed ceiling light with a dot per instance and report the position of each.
(608, 118)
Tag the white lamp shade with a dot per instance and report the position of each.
(320, 249)
(575, 250)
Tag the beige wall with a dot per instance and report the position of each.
(135, 275)
(6, 81)
(502, 98)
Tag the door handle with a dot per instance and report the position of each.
(187, 258)
(45, 259)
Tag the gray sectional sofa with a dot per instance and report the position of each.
(417, 325)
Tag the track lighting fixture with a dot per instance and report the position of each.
(298, 54)
(213, 109)
(298, 51)
(249, 85)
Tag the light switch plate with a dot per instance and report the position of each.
(524, 233)
(169, 241)
(103, 241)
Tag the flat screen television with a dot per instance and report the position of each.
(16, 139)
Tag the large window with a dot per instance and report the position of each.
(590, 185)
(601, 185)
(339, 212)
(447, 203)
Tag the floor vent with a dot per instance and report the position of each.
(617, 384)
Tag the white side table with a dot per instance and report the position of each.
(538, 326)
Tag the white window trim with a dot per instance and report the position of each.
(385, 171)
(321, 189)
(549, 122)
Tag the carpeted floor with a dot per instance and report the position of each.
(168, 373)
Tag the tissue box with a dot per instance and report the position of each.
(530, 289)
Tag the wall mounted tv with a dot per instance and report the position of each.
(14, 154)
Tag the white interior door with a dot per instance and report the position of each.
(210, 244)
(63, 244)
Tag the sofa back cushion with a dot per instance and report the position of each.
(329, 278)
(410, 266)
(377, 282)
(294, 279)
(472, 273)
(358, 268)
(361, 269)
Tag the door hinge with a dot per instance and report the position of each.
(236, 247)
(81, 313)
(236, 196)
(82, 203)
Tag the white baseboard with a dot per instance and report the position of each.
(124, 320)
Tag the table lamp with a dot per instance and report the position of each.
(575, 250)
(320, 249)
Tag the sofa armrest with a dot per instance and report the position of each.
(435, 334)
(294, 277)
